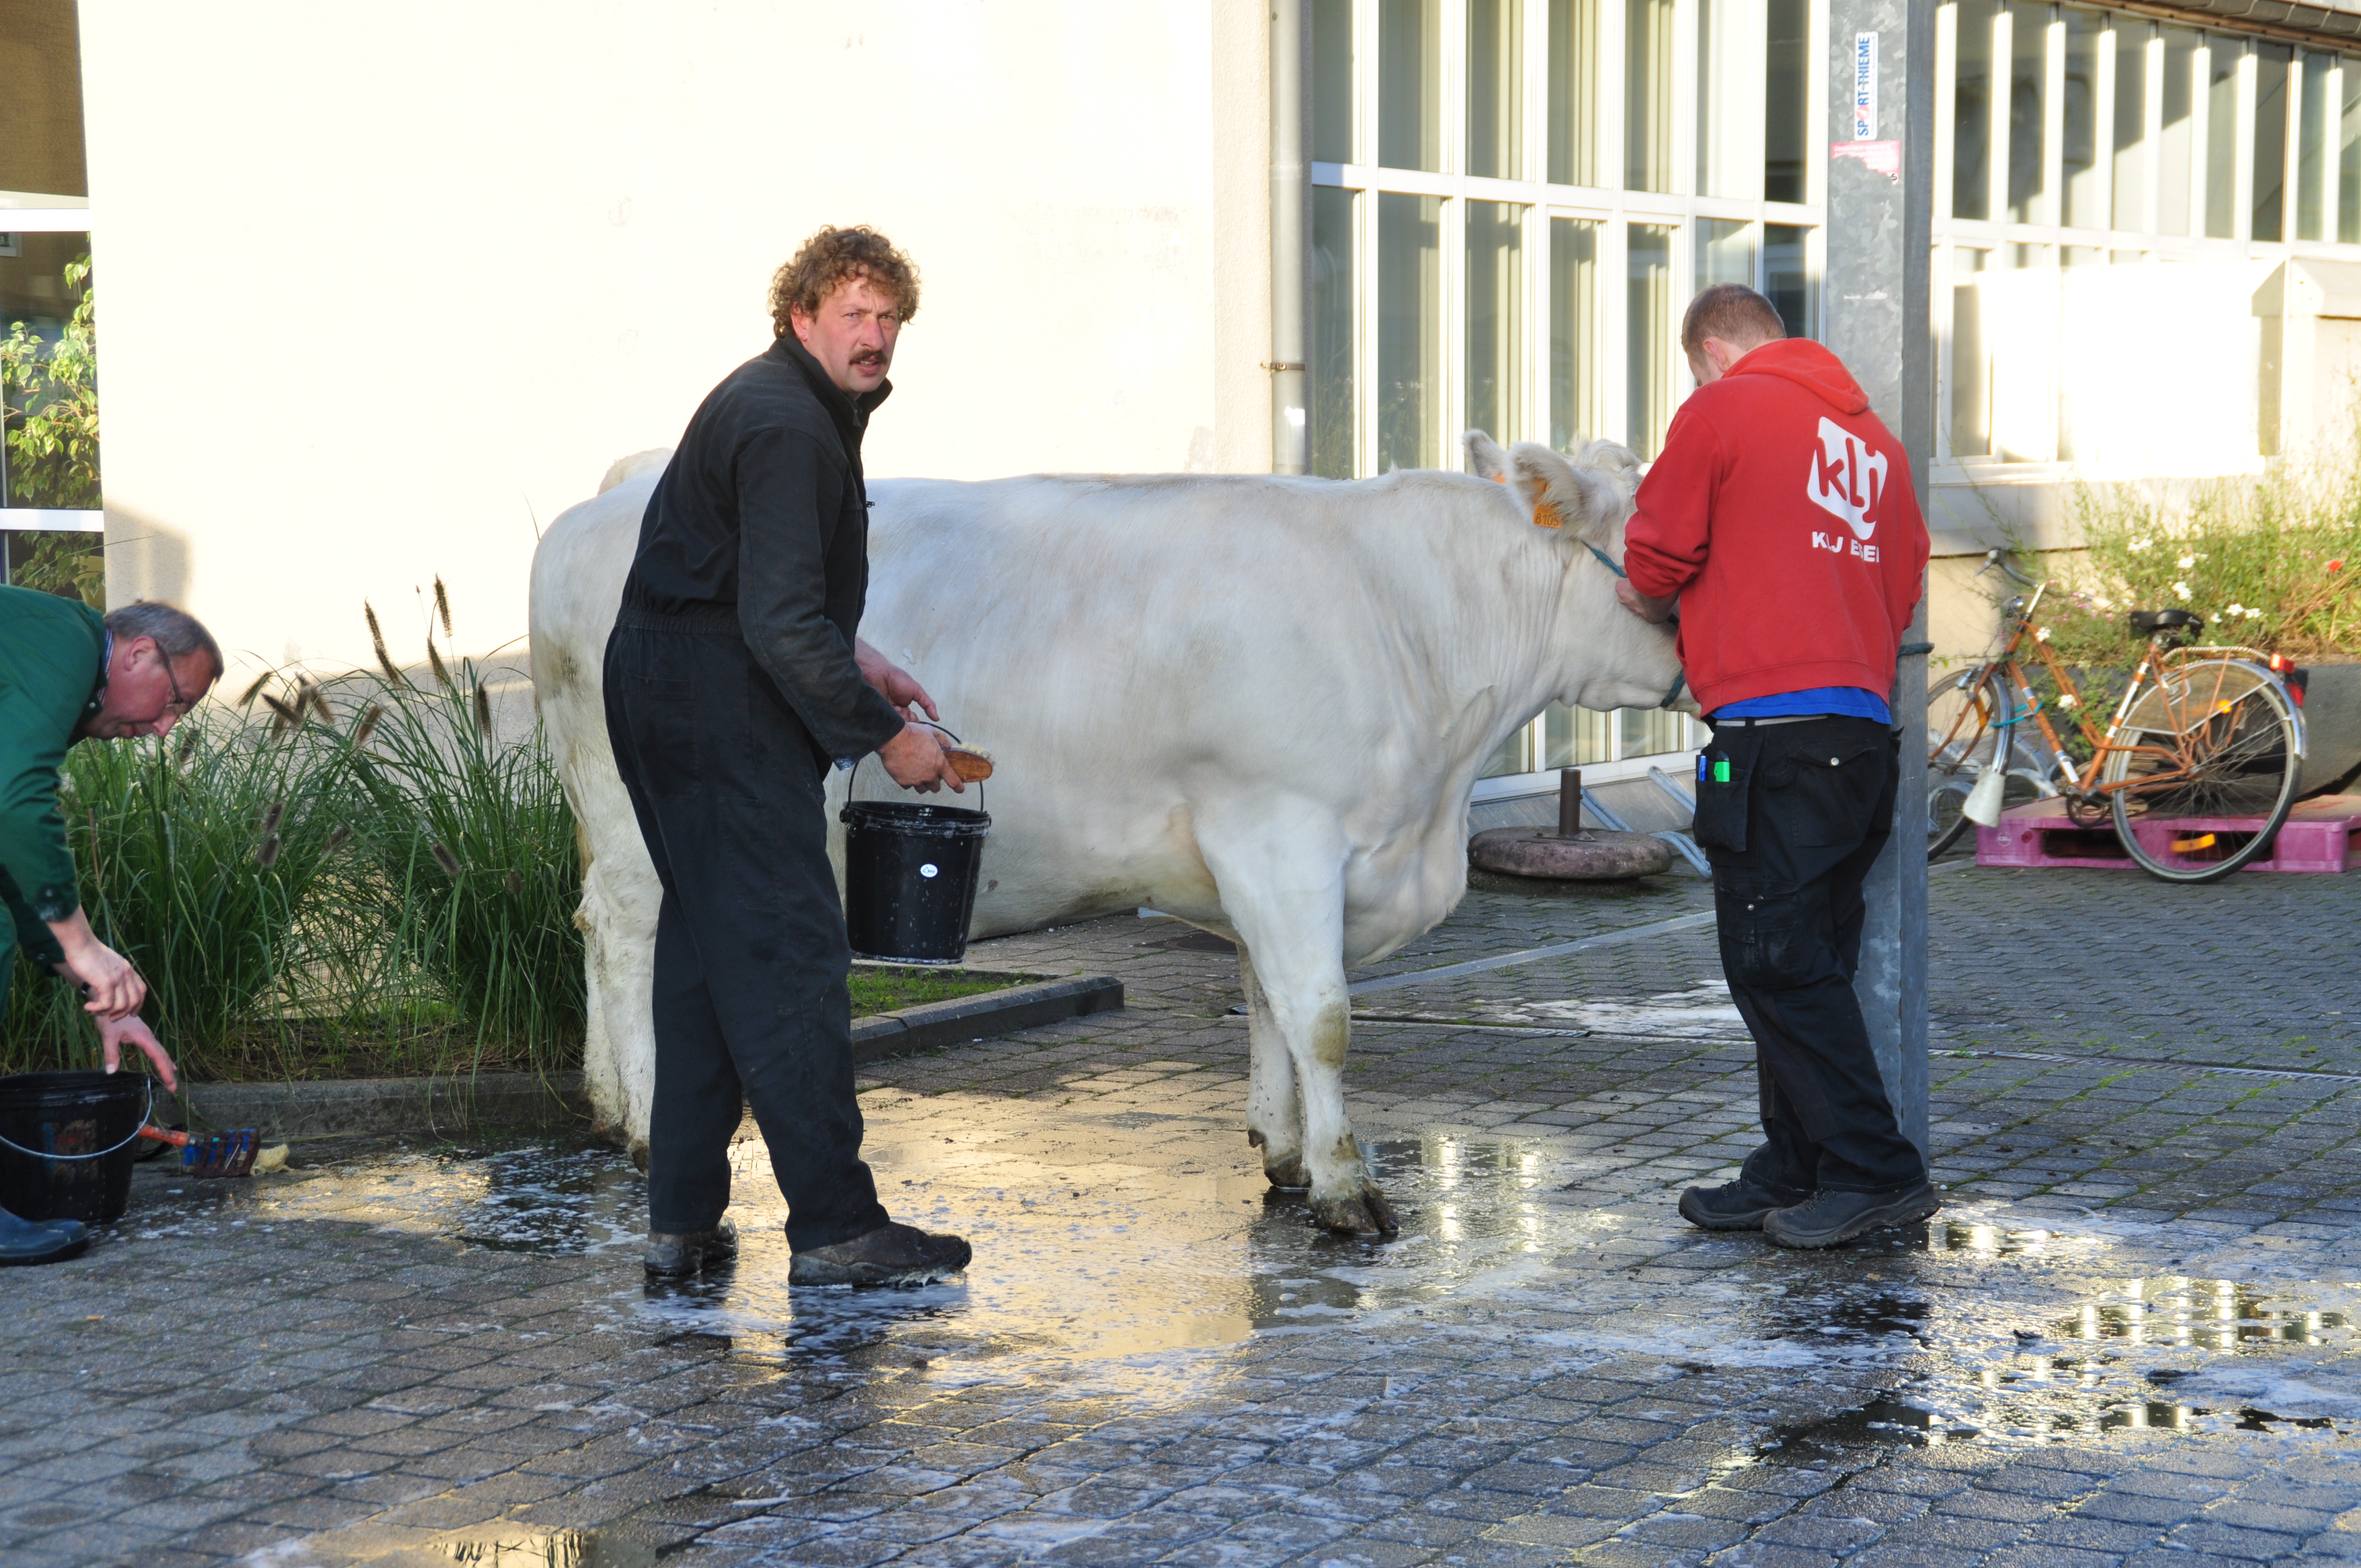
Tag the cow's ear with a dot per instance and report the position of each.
(1588, 498)
(1485, 458)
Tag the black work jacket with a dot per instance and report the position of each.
(763, 510)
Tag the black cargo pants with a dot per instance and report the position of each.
(1792, 816)
(750, 1001)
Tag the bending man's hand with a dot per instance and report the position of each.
(111, 987)
(1655, 611)
(115, 1033)
(894, 683)
(916, 760)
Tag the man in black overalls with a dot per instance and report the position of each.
(733, 680)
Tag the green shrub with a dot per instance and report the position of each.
(2271, 563)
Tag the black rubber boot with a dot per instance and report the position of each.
(1737, 1205)
(41, 1241)
(890, 1254)
(675, 1255)
(1831, 1218)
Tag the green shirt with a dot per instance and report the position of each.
(52, 652)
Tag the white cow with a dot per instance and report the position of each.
(1259, 703)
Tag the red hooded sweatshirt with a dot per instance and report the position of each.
(1781, 513)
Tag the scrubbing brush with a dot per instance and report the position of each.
(221, 1154)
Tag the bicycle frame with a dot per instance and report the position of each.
(2155, 664)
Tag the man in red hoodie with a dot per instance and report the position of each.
(1780, 519)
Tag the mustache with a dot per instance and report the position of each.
(869, 356)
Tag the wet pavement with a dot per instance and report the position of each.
(2128, 1338)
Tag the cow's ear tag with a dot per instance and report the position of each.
(1545, 513)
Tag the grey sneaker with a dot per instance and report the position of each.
(1737, 1205)
(1831, 1219)
(675, 1255)
(890, 1254)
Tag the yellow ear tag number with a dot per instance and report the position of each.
(1545, 514)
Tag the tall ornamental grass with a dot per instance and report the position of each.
(356, 877)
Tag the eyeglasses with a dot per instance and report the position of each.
(179, 706)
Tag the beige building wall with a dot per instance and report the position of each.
(386, 288)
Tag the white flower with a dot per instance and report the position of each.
(2181, 589)
(2253, 614)
(2042, 635)
(2186, 562)
(2237, 609)
(2142, 543)
(2067, 699)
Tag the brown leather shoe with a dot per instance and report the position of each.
(675, 1255)
(890, 1254)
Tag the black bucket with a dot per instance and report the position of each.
(67, 1140)
(910, 873)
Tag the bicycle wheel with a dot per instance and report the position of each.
(1966, 734)
(2211, 761)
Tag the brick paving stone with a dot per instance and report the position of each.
(1547, 1367)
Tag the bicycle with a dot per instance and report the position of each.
(2198, 767)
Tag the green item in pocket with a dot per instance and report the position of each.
(1721, 769)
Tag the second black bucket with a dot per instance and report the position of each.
(67, 1141)
(910, 874)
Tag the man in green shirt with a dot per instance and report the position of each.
(67, 675)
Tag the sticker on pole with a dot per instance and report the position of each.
(1864, 87)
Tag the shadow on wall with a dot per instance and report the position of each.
(145, 560)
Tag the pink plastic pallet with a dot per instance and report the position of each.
(2321, 835)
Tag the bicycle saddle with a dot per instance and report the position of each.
(2148, 622)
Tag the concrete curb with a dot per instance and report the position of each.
(332, 1107)
(934, 1025)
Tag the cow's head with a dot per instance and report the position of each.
(1615, 659)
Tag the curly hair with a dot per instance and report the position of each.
(829, 258)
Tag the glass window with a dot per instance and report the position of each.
(2080, 150)
(1725, 252)
(2176, 175)
(1514, 755)
(2131, 123)
(1410, 332)
(1410, 84)
(1972, 112)
(2029, 84)
(2348, 158)
(1650, 731)
(48, 377)
(1729, 70)
(1496, 328)
(2221, 137)
(1331, 81)
(1574, 91)
(1333, 439)
(2312, 144)
(1575, 737)
(1971, 378)
(1496, 94)
(1648, 95)
(2267, 217)
(1574, 310)
(1648, 338)
(1786, 98)
(1786, 280)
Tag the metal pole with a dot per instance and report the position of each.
(1880, 91)
(1291, 194)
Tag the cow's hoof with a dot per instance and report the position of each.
(1287, 1174)
(1363, 1213)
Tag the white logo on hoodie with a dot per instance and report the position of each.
(1847, 478)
